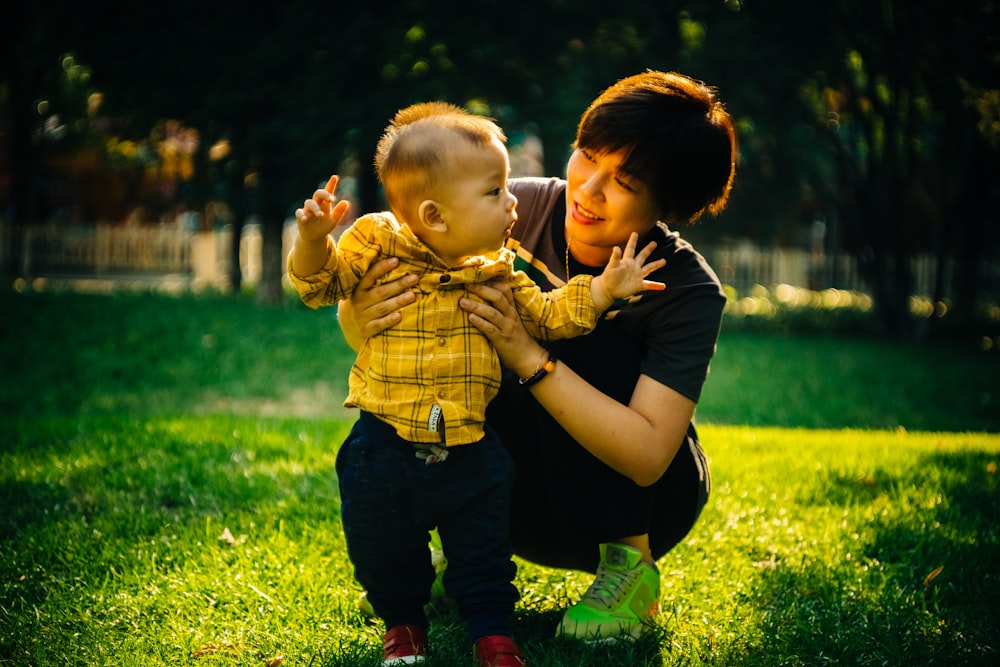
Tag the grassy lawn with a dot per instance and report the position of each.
(166, 478)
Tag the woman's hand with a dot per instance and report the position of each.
(639, 440)
(497, 318)
(374, 307)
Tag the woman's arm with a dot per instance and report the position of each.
(639, 440)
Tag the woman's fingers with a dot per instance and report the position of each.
(374, 301)
(495, 314)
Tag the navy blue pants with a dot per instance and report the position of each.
(390, 500)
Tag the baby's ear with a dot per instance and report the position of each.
(430, 216)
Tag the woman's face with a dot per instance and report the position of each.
(604, 205)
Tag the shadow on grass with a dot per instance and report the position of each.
(534, 632)
(112, 509)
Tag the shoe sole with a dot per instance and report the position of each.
(408, 660)
(626, 635)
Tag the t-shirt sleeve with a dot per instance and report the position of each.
(537, 198)
(681, 337)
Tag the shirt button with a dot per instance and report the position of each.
(440, 393)
(442, 341)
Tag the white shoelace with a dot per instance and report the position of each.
(610, 586)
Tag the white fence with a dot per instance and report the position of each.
(744, 265)
(204, 258)
(197, 259)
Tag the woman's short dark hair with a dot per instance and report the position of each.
(676, 136)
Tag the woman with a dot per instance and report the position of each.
(611, 474)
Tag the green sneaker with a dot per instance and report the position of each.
(619, 603)
(439, 603)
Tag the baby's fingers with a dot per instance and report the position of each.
(616, 257)
(633, 241)
(325, 197)
(646, 252)
(653, 285)
(653, 266)
(338, 211)
(326, 193)
(314, 208)
(308, 211)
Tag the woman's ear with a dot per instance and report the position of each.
(429, 213)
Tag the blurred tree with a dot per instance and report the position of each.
(900, 113)
(895, 93)
(29, 71)
(870, 114)
(254, 79)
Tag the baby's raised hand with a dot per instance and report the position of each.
(320, 214)
(626, 271)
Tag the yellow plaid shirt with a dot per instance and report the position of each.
(432, 375)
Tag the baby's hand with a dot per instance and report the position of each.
(319, 215)
(626, 273)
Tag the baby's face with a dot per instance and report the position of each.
(475, 202)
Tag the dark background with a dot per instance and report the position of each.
(878, 118)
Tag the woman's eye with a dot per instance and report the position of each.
(625, 185)
(587, 155)
(495, 192)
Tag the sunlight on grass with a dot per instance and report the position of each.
(216, 541)
(135, 536)
(824, 539)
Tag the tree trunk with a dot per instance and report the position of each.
(269, 290)
(972, 205)
(235, 270)
(271, 207)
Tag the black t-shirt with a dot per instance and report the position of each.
(669, 336)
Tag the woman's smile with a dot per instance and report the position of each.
(584, 215)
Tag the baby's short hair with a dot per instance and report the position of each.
(413, 156)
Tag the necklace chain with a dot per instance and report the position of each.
(567, 257)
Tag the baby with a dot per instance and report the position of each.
(423, 385)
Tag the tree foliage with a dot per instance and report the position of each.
(878, 117)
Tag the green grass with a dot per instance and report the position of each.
(825, 382)
(135, 430)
